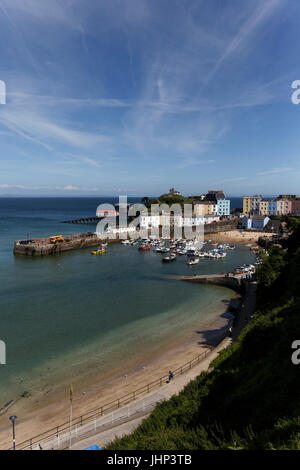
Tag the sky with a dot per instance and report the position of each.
(135, 96)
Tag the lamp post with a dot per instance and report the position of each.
(13, 419)
(71, 409)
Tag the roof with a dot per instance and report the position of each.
(257, 217)
(274, 223)
(210, 203)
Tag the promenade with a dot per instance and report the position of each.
(123, 415)
(122, 424)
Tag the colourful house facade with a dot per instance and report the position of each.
(272, 207)
(264, 207)
(284, 207)
(251, 204)
(223, 207)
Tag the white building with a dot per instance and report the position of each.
(154, 221)
(148, 221)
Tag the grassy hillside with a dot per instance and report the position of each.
(251, 399)
(169, 199)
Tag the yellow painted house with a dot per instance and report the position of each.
(251, 205)
(264, 207)
(205, 208)
(246, 205)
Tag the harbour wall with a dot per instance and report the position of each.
(231, 281)
(43, 247)
(222, 226)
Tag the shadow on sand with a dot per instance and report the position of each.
(213, 336)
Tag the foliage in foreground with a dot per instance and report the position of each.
(251, 398)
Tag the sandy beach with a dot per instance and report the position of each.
(47, 413)
(237, 237)
(49, 407)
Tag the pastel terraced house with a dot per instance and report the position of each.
(284, 206)
(264, 207)
(251, 204)
(272, 207)
(296, 207)
(223, 207)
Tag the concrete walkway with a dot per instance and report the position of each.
(103, 437)
(127, 419)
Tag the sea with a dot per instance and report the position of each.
(66, 315)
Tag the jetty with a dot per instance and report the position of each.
(48, 246)
(83, 220)
(234, 281)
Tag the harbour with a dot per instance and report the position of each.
(149, 227)
(56, 311)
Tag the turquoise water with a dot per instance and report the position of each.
(66, 315)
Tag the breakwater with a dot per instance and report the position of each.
(228, 280)
(83, 220)
(44, 247)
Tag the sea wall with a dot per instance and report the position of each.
(43, 247)
(233, 282)
(222, 226)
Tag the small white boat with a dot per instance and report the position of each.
(169, 258)
(191, 262)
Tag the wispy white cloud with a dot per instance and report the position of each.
(70, 187)
(275, 171)
(192, 161)
(260, 15)
(82, 159)
(225, 180)
(44, 12)
(22, 98)
(137, 82)
(41, 130)
(28, 188)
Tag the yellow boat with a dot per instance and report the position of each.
(99, 252)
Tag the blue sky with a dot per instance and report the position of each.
(134, 96)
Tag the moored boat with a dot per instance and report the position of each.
(167, 259)
(144, 247)
(101, 251)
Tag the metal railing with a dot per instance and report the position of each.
(60, 434)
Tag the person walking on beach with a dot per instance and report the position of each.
(170, 375)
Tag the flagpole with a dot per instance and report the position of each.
(71, 410)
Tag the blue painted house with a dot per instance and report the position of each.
(223, 207)
(272, 207)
